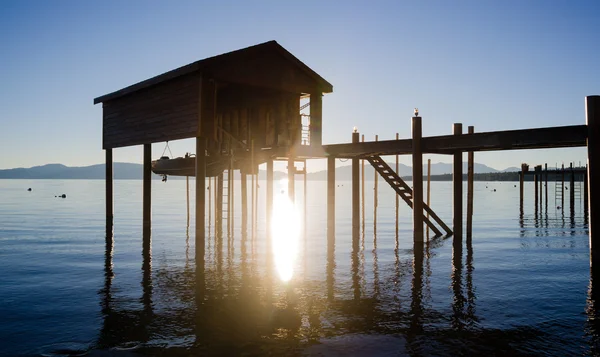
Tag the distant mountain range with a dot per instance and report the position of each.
(129, 171)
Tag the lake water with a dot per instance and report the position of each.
(521, 287)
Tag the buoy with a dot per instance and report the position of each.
(29, 189)
(494, 190)
(557, 207)
(63, 196)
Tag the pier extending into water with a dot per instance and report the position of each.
(244, 108)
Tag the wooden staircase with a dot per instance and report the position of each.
(405, 192)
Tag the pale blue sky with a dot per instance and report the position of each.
(493, 64)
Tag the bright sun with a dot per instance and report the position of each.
(285, 228)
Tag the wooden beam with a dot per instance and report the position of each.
(540, 138)
(316, 119)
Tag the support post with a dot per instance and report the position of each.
(546, 184)
(470, 166)
(330, 201)
(592, 119)
(316, 115)
(417, 178)
(355, 197)
(571, 189)
(521, 183)
(585, 193)
(396, 196)
(200, 198)
(428, 191)
(219, 207)
(457, 183)
(269, 200)
(291, 178)
(147, 193)
(244, 188)
(535, 186)
(362, 187)
(541, 182)
(375, 193)
(187, 201)
(562, 194)
(109, 197)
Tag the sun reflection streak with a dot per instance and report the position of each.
(285, 227)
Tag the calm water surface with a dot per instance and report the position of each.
(522, 287)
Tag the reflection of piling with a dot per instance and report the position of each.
(470, 167)
(457, 183)
(330, 201)
(417, 178)
(355, 196)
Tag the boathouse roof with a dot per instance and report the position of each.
(267, 64)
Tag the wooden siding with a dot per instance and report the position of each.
(159, 113)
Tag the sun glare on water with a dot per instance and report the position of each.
(285, 227)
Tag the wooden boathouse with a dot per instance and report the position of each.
(243, 108)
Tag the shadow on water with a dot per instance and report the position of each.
(205, 308)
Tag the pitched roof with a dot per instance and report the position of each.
(214, 61)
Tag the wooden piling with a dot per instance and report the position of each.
(428, 192)
(592, 111)
(109, 196)
(253, 190)
(470, 167)
(305, 190)
(397, 197)
(269, 198)
(562, 194)
(417, 178)
(291, 178)
(521, 184)
(585, 192)
(546, 183)
(375, 191)
(330, 201)
(362, 191)
(457, 184)
(200, 196)
(355, 197)
(147, 195)
(187, 200)
(572, 189)
(244, 203)
(219, 206)
(535, 185)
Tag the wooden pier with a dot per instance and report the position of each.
(243, 109)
